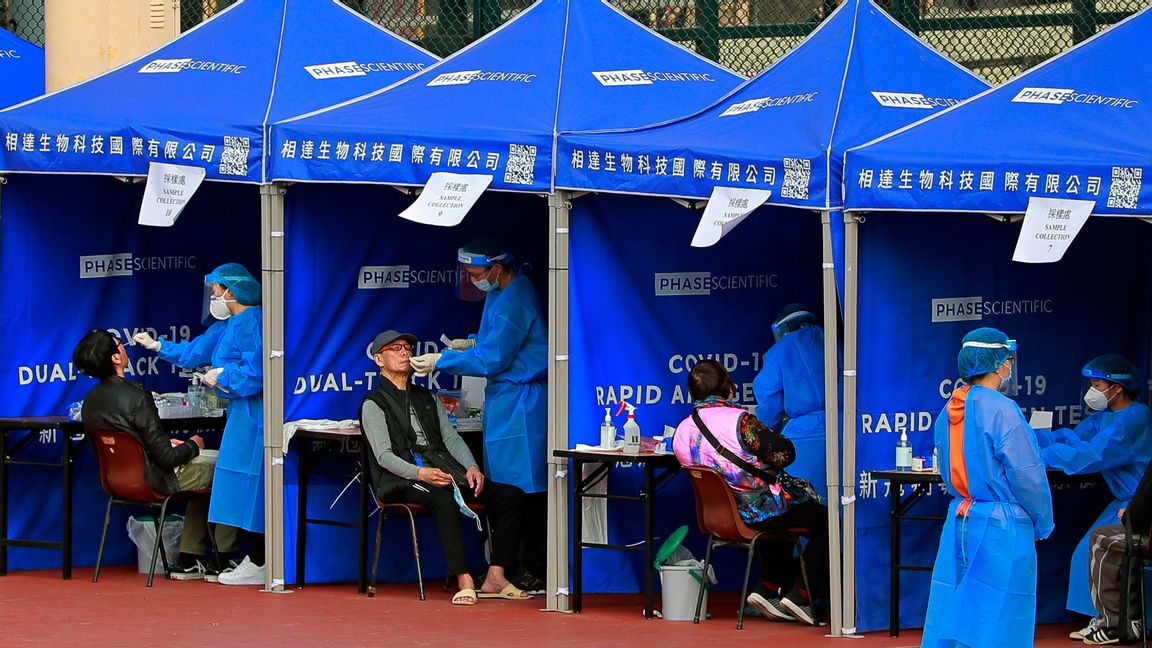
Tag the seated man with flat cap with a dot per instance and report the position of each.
(421, 459)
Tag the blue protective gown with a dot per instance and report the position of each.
(791, 382)
(984, 580)
(512, 353)
(1116, 444)
(237, 346)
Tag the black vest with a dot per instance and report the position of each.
(395, 404)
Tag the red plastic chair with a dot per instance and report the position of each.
(719, 518)
(121, 460)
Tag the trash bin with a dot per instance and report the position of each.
(142, 532)
(681, 577)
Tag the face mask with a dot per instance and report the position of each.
(218, 307)
(486, 286)
(1004, 380)
(1096, 399)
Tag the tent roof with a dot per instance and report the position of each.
(206, 98)
(21, 69)
(495, 106)
(858, 75)
(1074, 127)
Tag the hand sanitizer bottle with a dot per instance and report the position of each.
(903, 453)
(607, 431)
(936, 460)
(196, 396)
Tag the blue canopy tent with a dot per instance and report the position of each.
(1070, 128)
(495, 108)
(21, 69)
(858, 75)
(205, 100)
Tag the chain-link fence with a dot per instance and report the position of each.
(997, 39)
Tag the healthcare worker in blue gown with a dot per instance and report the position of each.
(233, 347)
(1114, 441)
(983, 591)
(510, 350)
(790, 390)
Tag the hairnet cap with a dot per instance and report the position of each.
(982, 351)
(484, 251)
(236, 278)
(1112, 367)
(388, 337)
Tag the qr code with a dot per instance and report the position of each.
(1125, 189)
(234, 159)
(797, 176)
(521, 164)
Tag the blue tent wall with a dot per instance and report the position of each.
(53, 233)
(21, 69)
(1062, 315)
(632, 334)
(332, 233)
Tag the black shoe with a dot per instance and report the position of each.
(527, 582)
(768, 605)
(1102, 636)
(187, 567)
(800, 607)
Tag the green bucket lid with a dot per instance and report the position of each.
(670, 545)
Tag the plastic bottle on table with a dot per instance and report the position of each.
(196, 396)
(631, 428)
(903, 453)
(607, 430)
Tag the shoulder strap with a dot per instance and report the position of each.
(728, 454)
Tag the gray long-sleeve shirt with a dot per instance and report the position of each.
(376, 427)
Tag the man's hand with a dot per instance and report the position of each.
(475, 480)
(433, 476)
(146, 341)
(197, 440)
(1120, 514)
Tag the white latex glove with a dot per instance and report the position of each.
(459, 344)
(146, 341)
(425, 364)
(211, 376)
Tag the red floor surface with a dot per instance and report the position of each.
(38, 608)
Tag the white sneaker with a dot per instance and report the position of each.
(246, 573)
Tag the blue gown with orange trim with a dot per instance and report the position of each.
(983, 589)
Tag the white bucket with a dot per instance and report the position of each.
(680, 589)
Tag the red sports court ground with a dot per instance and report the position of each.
(38, 608)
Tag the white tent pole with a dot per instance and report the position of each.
(272, 275)
(557, 577)
(831, 425)
(851, 251)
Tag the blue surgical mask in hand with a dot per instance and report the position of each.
(459, 497)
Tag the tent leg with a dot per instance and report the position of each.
(557, 578)
(832, 424)
(851, 304)
(272, 275)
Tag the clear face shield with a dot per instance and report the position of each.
(1011, 386)
(1108, 385)
(791, 322)
(477, 274)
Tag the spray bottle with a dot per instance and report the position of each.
(607, 431)
(631, 427)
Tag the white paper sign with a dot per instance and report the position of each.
(726, 208)
(169, 188)
(447, 198)
(1050, 225)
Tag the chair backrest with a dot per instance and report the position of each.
(716, 509)
(121, 460)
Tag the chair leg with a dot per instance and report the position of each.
(376, 557)
(103, 537)
(158, 548)
(1143, 606)
(703, 580)
(804, 571)
(744, 588)
(416, 552)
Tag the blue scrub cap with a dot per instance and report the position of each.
(1112, 367)
(982, 351)
(236, 278)
(484, 251)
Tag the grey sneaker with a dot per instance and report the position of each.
(800, 609)
(1078, 635)
(246, 573)
(189, 572)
